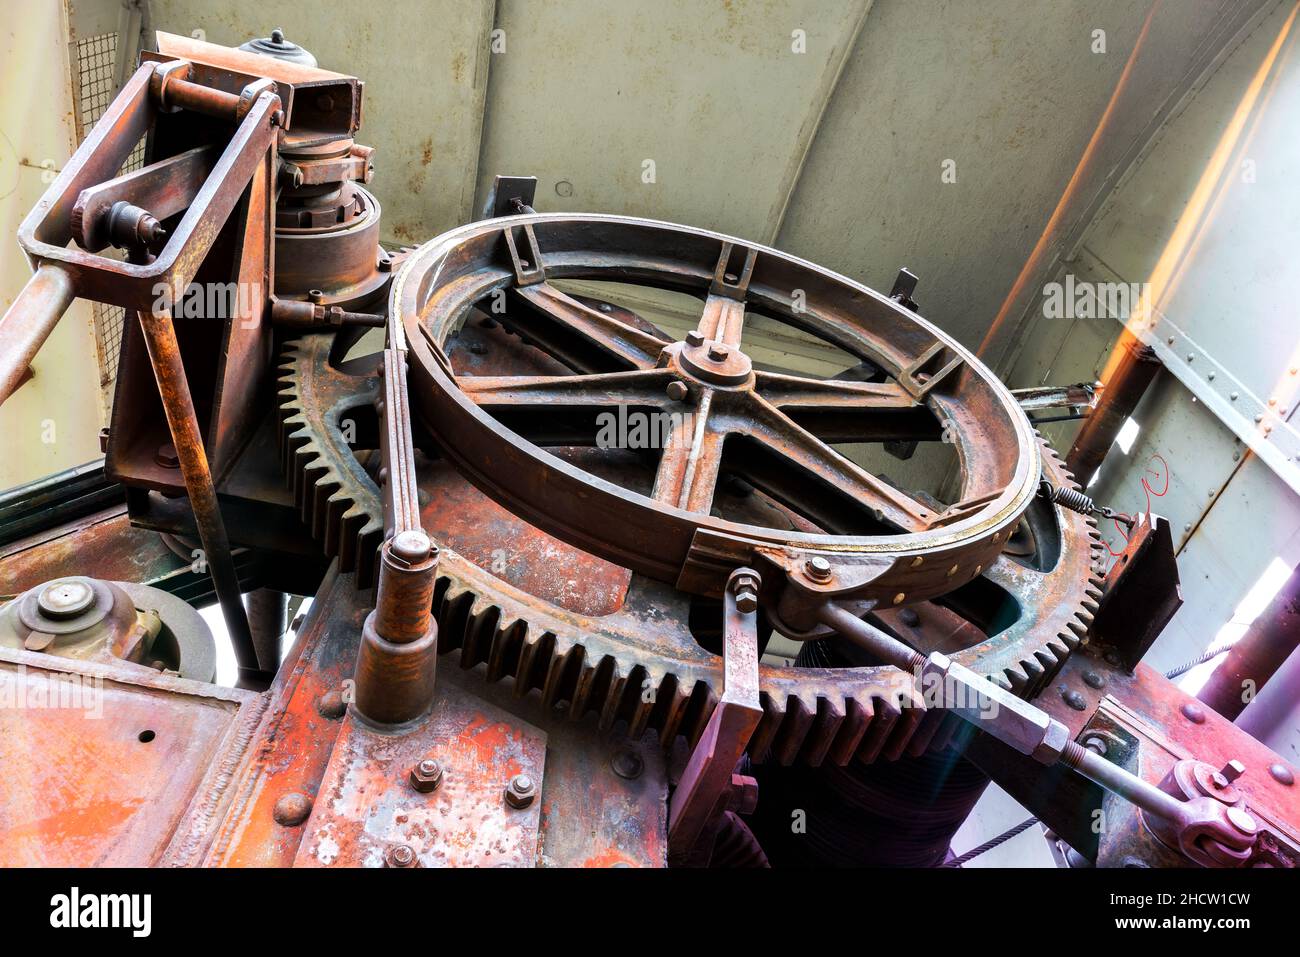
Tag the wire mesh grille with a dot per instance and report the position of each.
(96, 85)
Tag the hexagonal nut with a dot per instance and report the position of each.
(1055, 737)
(426, 776)
(401, 855)
(520, 791)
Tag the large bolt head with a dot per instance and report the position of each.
(818, 569)
(426, 776)
(677, 390)
(1233, 770)
(520, 791)
(400, 855)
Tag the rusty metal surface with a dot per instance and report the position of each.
(293, 743)
(605, 798)
(592, 815)
(367, 806)
(105, 543)
(1095, 691)
(127, 773)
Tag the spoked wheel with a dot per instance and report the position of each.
(862, 536)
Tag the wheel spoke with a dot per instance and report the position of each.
(839, 475)
(840, 410)
(584, 339)
(577, 410)
(637, 388)
(688, 467)
(798, 392)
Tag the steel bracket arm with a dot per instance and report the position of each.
(69, 211)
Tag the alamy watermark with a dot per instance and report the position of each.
(47, 691)
(209, 300)
(634, 429)
(1080, 299)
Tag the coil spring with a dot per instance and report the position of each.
(1074, 500)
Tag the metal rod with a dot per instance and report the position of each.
(1128, 373)
(174, 389)
(1122, 782)
(1257, 655)
(28, 322)
(888, 649)
(267, 619)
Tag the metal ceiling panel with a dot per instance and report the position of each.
(714, 94)
(1011, 93)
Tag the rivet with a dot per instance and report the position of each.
(1074, 699)
(292, 809)
(627, 763)
(1281, 773)
(898, 599)
(818, 569)
(331, 705)
(1193, 713)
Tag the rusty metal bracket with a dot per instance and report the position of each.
(507, 194)
(705, 788)
(1141, 592)
(528, 263)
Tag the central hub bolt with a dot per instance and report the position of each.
(65, 599)
(718, 352)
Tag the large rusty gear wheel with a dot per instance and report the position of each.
(639, 662)
(775, 431)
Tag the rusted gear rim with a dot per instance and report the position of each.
(444, 278)
(607, 665)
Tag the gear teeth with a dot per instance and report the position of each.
(792, 731)
(613, 699)
(768, 725)
(677, 711)
(924, 738)
(830, 718)
(904, 732)
(858, 717)
(873, 742)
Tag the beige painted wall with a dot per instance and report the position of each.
(52, 422)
